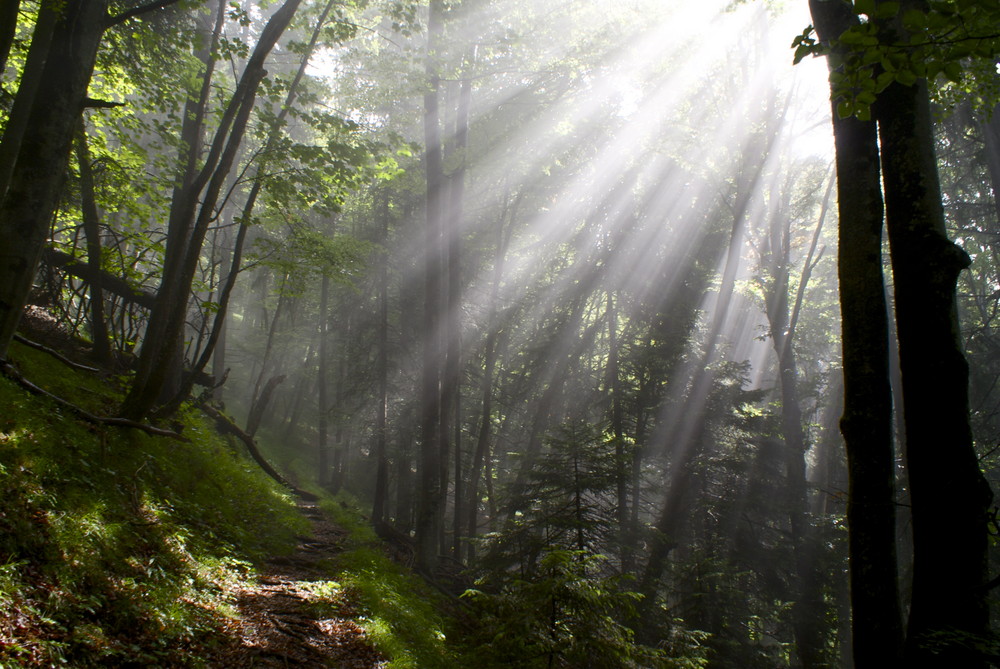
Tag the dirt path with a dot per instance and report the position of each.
(287, 617)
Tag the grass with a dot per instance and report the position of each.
(116, 546)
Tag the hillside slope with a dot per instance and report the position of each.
(121, 548)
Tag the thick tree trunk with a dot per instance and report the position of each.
(8, 28)
(948, 610)
(32, 77)
(38, 154)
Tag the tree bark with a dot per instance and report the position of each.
(323, 465)
(380, 497)
(8, 28)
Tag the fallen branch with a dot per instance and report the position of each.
(227, 425)
(12, 374)
(55, 354)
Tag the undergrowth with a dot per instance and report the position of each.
(116, 546)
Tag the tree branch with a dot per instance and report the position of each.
(138, 11)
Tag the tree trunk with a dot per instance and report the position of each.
(381, 493)
(433, 446)
(452, 393)
(37, 157)
(8, 28)
(259, 405)
(322, 474)
(92, 231)
(490, 355)
(867, 420)
(948, 609)
(194, 212)
(612, 386)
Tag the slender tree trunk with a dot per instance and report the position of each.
(404, 482)
(807, 609)
(433, 448)
(613, 387)
(322, 475)
(260, 404)
(194, 212)
(245, 219)
(381, 494)
(265, 359)
(452, 394)
(490, 356)
(683, 425)
(92, 231)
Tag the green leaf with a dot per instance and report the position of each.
(914, 20)
(883, 80)
(953, 71)
(887, 10)
(845, 109)
(866, 98)
(866, 7)
(906, 77)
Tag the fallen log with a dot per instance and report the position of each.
(226, 424)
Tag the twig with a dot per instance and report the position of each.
(11, 373)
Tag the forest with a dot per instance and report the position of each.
(499, 333)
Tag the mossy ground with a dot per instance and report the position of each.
(122, 549)
(116, 546)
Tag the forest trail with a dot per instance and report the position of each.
(286, 618)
